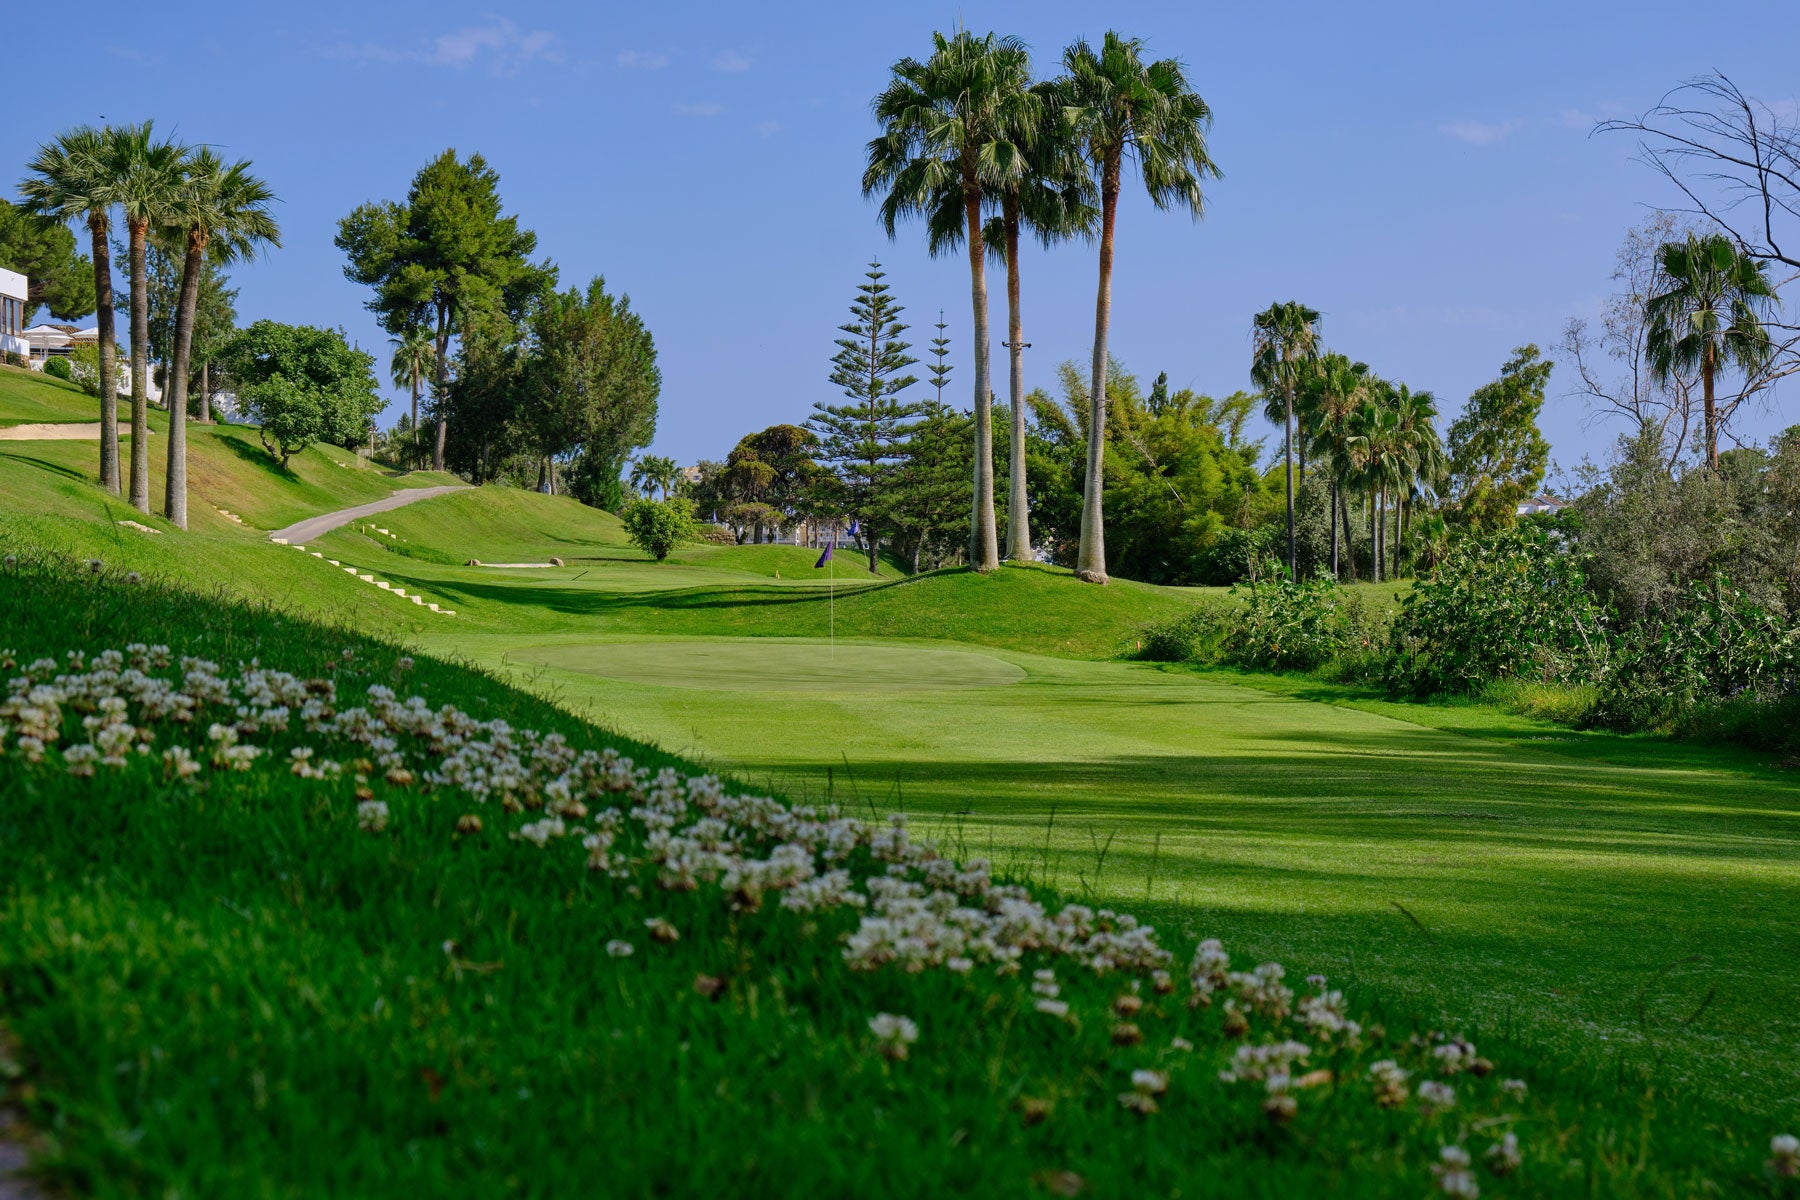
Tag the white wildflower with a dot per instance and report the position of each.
(620, 949)
(1784, 1155)
(1054, 1008)
(1514, 1087)
(1435, 1096)
(893, 1034)
(1503, 1156)
(372, 816)
(1390, 1083)
(1453, 1175)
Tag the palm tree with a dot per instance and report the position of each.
(653, 472)
(1334, 389)
(1710, 316)
(1118, 104)
(1423, 455)
(1054, 198)
(146, 181)
(1286, 341)
(222, 214)
(954, 121)
(414, 352)
(1376, 450)
(68, 182)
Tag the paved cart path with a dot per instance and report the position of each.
(305, 531)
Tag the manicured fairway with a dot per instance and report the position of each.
(1588, 891)
(779, 665)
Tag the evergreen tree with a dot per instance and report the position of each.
(932, 488)
(862, 439)
(940, 350)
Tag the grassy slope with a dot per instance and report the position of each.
(227, 990)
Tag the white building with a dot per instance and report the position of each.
(12, 313)
(1544, 503)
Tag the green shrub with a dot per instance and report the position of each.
(1199, 636)
(58, 367)
(1509, 604)
(1720, 651)
(84, 367)
(658, 526)
(1290, 626)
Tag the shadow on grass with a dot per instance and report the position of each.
(255, 454)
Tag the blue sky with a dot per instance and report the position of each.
(1424, 174)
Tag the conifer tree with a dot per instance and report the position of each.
(940, 350)
(863, 439)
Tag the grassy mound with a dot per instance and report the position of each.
(292, 980)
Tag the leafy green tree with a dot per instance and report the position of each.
(221, 214)
(302, 385)
(1120, 106)
(147, 176)
(933, 486)
(1497, 455)
(410, 365)
(1710, 317)
(658, 526)
(69, 182)
(771, 477)
(955, 122)
(42, 249)
(444, 255)
(1285, 338)
(590, 385)
(864, 438)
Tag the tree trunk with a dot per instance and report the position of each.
(175, 476)
(109, 350)
(1090, 561)
(1288, 452)
(206, 393)
(1018, 519)
(1349, 542)
(1707, 366)
(1374, 540)
(140, 370)
(437, 382)
(984, 541)
(1331, 520)
(413, 450)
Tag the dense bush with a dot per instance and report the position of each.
(84, 367)
(1720, 647)
(1278, 626)
(658, 526)
(1511, 604)
(58, 367)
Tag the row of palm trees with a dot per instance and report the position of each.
(1373, 437)
(215, 211)
(971, 145)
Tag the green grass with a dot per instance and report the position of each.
(226, 989)
(1609, 914)
(30, 397)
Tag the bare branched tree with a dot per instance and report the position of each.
(1635, 394)
(1736, 160)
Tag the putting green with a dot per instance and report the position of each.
(778, 665)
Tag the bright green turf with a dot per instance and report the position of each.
(778, 665)
(30, 397)
(1586, 889)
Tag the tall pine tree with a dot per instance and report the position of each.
(863, 439)
(940, 350)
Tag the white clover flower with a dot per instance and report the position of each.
(1453, 1175)
(1151, 1083)
(1435, 1096)
(1784, 1155)
(372, 816)
(961, 966)
(81, 759)
(179, 764)
(1514, 1087)
(1315, 981)
(1390, 1083)
(1180, 1043)
(1260, 1062)
(893, 1034)
(620, 949)
(1054, 1008)
(1503, 1156)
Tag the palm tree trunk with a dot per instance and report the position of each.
(414, 450)
(1018, 520)
(1331, 520)
(1288, 453)
(140, 370)
(437, 382)
(1374, 540)
(206, 393)
(1349, 542)
(984, 541)
(1090, 561)
(175, 476)
(109, 350)
(1712, 422)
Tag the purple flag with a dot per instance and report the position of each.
(826, 557)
